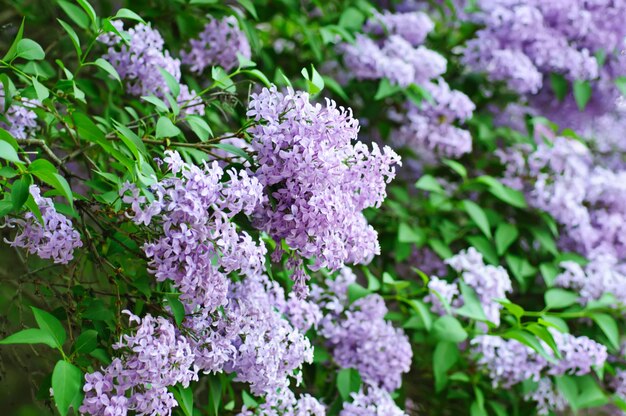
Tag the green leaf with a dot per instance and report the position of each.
(108, 68)
(485, 247)
(456, 166)
(445, 356)
(184, 397)
(75, 13)
(30, 50)
(73, 37)
(559, 86)
(549, 272)
(88, 9)
(408, 234)
(20, 191)
(177, 308)
(448, 328)
(356, 291)
(221, 78)
(567, 387)
(348, 381)
(429, 183)
(423, 312)
(58, 182)
(86, 342)
(66, 385)
(557, 298)
(215, 395)
(315, 82)
(199, 127)
(13, 48)
(472, 308)
(620, 82)
(41, 91)
(165, 128)
(477, 214)
(259, 75)
(608, 325)
(30, 336)
(51, 325)
(591, 395)
(171, 82)
(582, 93)
(249, 6)
(506, 234)
(528, 340)
(7, 152)
(351, 19)
(124, 13)
(386, 89)
(545, 239)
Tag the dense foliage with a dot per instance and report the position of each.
(308, 208)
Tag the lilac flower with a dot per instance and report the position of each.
(54, 239)
(21, 120)
(199, 245)
(578, 354)
(359, 336)
(522, 40)
(285, 403)
(317, 181)
(154, 358)
(218, 44)
(250, 338)
(429, 130)
(547, 397)
(139, 61)
(508, 362)
(602, 275)
(590, 202)
(411, 26)
(371, 401)
(489, 282)
(440, 289)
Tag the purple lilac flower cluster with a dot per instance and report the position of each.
(199, 244)
(359, 336)
(509, 362)
(139, 61)
(489, 282)
(602, 275)
(525, 39)
(152, 359)
(218, 44)
(250, 337)
(21, 120)
(316, 180)
(55, 238)
(589, 201)
(393, 50)
(548, 397)
(371, 401)
(285, 403)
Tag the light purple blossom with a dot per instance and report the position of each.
(199, 245)
(55, 238)
(218, 44)
(21, 120)
(547, 397)
(371, 401)
(317, 181)
(153, 358)
(358, 335)
(139, 63)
